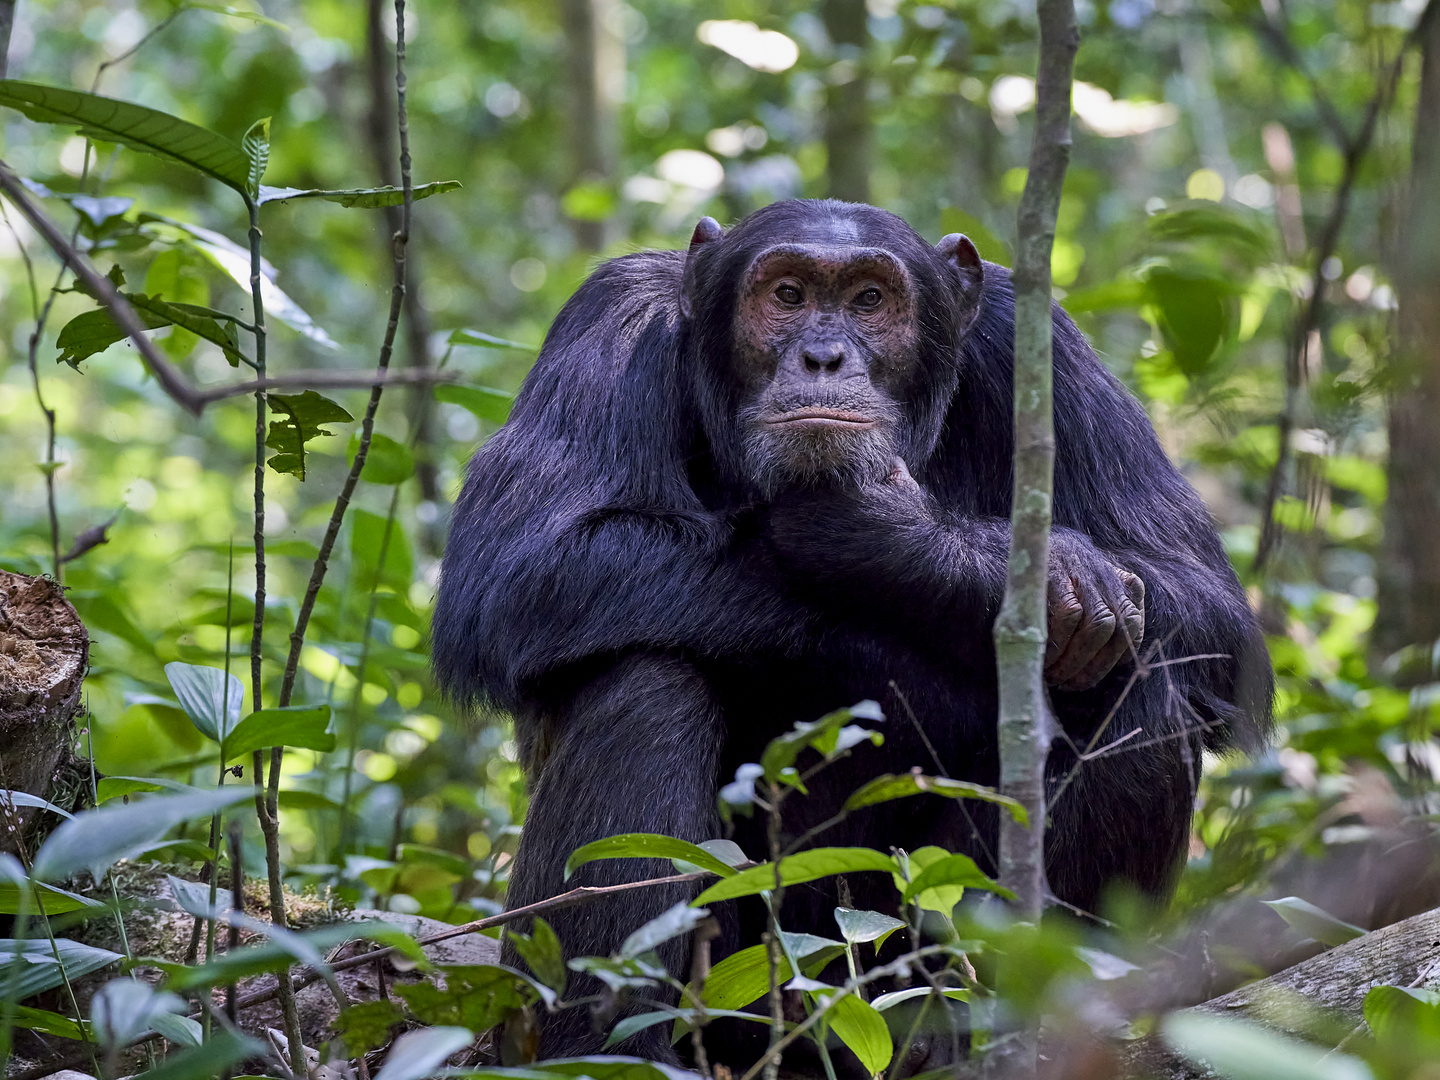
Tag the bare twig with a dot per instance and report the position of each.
(334, 380)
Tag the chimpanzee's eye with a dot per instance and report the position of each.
(869, 299)
(788, 294)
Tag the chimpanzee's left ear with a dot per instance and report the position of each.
(707, 231)
(960, 255)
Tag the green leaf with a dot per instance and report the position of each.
(1405, 1018)
(11, 799)
(680, 919)
(476, 996)
(823, 735)
(362, 198)
(53, 1023)
(590, 202)
(294, 725)
(48, 898)
(487, 404)
(633, 1024)
(369, 540)
(386, 462)
(295, 799)
(902, 785)
(895, 997)
(863, 1030)
(210, 697)
(742, 977)
(1240, 1050)
(1123, 294)
(234, 12)
(1193, 316)
(797, 869)
(256, 145)
(305, 414)
(98, 838)
(858, 926)
(990, 246)
(94, 331)
(727, 851)
(540, 949)
(1314, 922)
(646, 846)
(216, 1057)
(944, 878)
(180, 1030)
(121, 1010)
(487, 341)
(135, 126)
(275, 952)
(39, 970)
(366, 1026)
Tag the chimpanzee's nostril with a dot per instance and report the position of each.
(825, 358)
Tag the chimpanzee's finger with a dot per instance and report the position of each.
(1104, 660)
(1134, 620)
(1097, 627)
(1065, 611)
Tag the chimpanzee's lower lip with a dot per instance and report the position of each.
(822, 418)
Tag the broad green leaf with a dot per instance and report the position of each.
(122, 1009)
(1314, 922)
(51, 900)
(680, 919)
(366, 1025)
(476, 996)
(990, 246)
(727, 851)
(180, 1030)
(903, 785)
(370, 538)
(823, 735)
(633, 1024)
(943, 879)
(487, 404)
(11, 799)
(858, 926)
(211, 698)
(863, 1030)
(1121, 294)
(362, 198)
(1240, 1050)
(174, 277)
(234, 260)
(234, 12)
(135, 126)
(256, 145)
(40, 971)
(98, 838)
(646, 846)
(94, 331)
(386, 462)
(294, 725)
(216, 1057)
(487, 341)
(796, 870)
(51, 1023)
(294, 799)
(193, 897)
(541, 951)
(1194, 316)
(742, 977)
(895, 997)
(1405, 1018)
(304, 416)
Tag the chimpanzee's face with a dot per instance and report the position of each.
(824, 347)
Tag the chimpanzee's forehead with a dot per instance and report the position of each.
(827, 262)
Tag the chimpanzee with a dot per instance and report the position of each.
(753, 482)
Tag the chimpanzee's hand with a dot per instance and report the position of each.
(1097, 615)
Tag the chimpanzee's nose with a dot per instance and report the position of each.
(823, 359)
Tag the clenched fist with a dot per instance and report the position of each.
(1097, 615)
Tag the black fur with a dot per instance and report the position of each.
(612, 580)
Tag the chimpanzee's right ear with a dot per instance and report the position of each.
(960, 254)
(707, 230)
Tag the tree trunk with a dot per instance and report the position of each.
(44, 651)
(1409, 570)
(847, 102)
(596, 66)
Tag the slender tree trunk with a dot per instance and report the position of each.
(1025, 722)
(847, 104)
(380, 134)
(596, 66)
(1410, 556)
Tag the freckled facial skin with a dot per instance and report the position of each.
(824, 347)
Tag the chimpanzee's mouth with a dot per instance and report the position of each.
(818, 416)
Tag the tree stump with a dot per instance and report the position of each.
(44, 650)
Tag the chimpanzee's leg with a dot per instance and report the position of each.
(636, 750)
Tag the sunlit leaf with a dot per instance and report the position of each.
(822, 735)
(646, 846)
(386, 462)
(895, 997)
(487, 404)
(1314, 922)
(363, 198)
(863, 1030)
(797, 869)
(954, 871)
(98, 838)
(903, 785)
(294, 725)
(51, 1023)
(52, 900)
(210, 697)
(1405, 1018)
(256, 144)
(858, 926)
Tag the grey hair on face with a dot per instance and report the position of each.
(775, 457)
